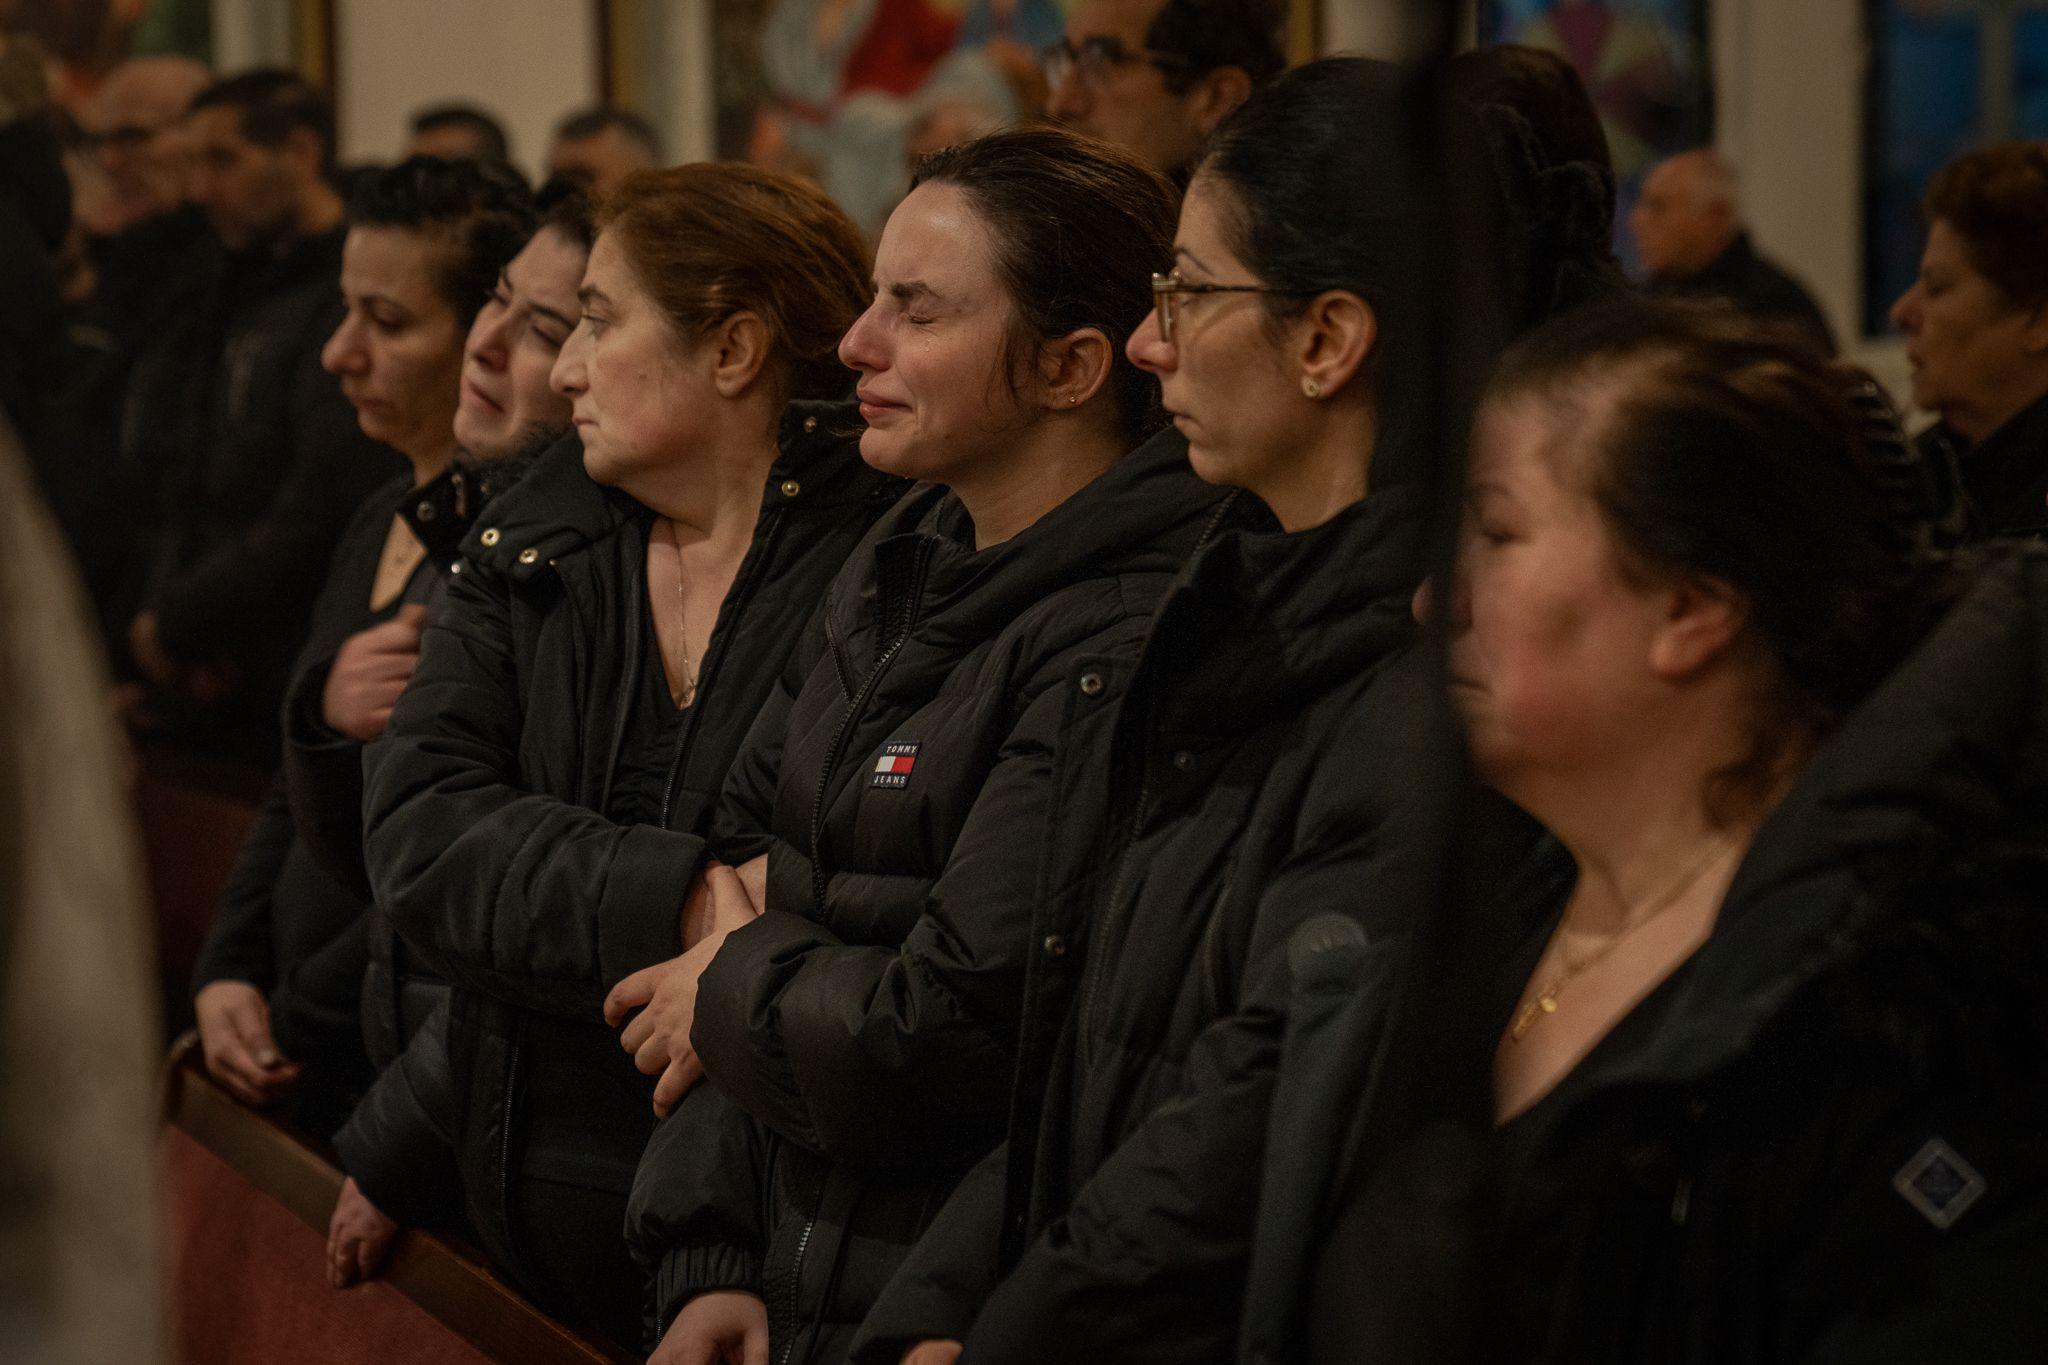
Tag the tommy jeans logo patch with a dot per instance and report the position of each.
(893, 768)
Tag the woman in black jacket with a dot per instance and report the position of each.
(534, 816)
(857, 1035)
(279, 982)
(1746, 1065)
(1267, 787)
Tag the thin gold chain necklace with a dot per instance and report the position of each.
(1545, 1002)
(689, 688)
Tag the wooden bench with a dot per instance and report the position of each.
(248, 1202)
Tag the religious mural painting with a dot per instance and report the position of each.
(850, 91)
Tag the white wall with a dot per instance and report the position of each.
(525, 61)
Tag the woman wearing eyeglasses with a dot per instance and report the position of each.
(1243, 818)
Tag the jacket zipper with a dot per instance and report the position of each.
(796, 1270)
(854, 705)
(1092, 974)
(737, 596)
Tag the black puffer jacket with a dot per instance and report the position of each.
(1818, 1140)
(1241, 791)
(484, 837)
(2004, 477)
(867, 1021)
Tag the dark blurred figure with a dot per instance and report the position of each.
(456, 131)
(143, 253)
(1689, 230)
(1694, 244)
(262, 455)
(1157, 76)
(278, 989)
(35, 215)
(134, 130)
(597, 148)
(1976, 325)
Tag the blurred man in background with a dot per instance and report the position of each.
(1689, 231)
(458, 131)
(597, 148)
(1157, 76)
(263, 457)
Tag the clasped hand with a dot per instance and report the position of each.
(666, 993)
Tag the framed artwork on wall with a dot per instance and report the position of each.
(1645, 64)
(849, 91)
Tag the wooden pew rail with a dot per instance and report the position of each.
(249, 1201)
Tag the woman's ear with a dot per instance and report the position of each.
(1702, 621)
(1336, 334)
(739, 352)
(1072, 369)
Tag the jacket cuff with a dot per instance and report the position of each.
(640, 919)
(403, 1185)
(700, 1268)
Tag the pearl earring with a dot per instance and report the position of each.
(1311, 388)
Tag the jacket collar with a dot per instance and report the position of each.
(442, 512)
(1265, 621)
(1144, 514)
(2006, 474)
(556, 509)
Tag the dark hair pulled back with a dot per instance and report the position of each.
(1722, 452)
(1325, 191)
(1078, 226)
(481, 211)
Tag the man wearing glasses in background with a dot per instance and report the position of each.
(1157, 76)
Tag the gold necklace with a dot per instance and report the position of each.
(1545, 1002)
(689, 688)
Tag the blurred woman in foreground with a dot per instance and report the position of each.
(1747, 1064)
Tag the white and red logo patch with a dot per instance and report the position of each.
(894, 766)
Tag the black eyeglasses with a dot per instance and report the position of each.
(1168, 288)
(1094, 58)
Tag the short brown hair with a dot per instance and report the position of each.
(712, 239)
(1996, 200)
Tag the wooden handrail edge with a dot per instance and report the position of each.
(450, 1286)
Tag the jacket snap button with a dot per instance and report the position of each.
(489, 536)
(790, 487)
(425, 511)
(529, 556)
(1183, 761)
(1091, 684)
(1055, 946)
(810, 424)
(456, 567)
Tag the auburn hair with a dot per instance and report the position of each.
(713, 239)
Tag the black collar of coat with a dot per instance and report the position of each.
(557, 509)
(1265, 620)
(442, 511)
(1145, 514)
(2006, 474)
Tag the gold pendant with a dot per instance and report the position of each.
(1544, 1003)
